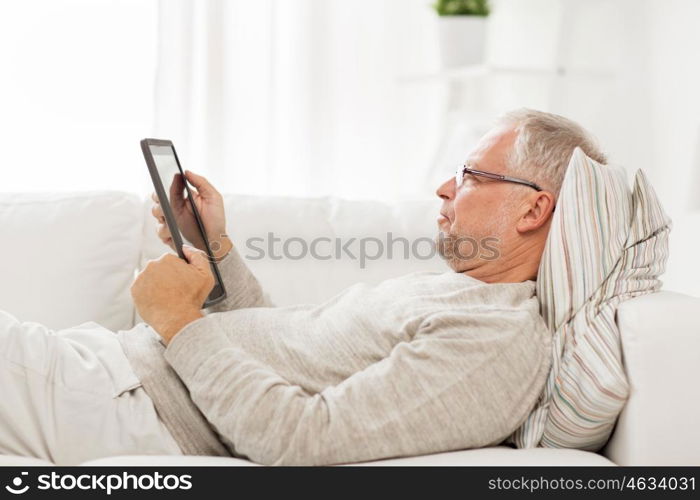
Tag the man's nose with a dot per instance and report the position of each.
(446, 191)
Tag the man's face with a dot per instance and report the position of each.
(476, 217)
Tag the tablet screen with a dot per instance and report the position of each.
(188, 228)
(174, 188)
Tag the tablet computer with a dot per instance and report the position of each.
(170, 184)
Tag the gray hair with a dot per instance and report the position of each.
(544, 145)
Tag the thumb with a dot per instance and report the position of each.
(197, 258)
(203, 186)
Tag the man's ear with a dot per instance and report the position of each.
(536, 211)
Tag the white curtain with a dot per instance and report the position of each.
(301, 97)
(76, 93)
(314, 97)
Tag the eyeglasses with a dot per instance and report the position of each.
(464, 170)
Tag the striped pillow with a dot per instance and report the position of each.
(606, 245)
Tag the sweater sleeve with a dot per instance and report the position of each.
(242, 287)
(457, 385)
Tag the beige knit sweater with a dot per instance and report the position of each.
(419, 364)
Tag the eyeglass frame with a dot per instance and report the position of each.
(459, 177)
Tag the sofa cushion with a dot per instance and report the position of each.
(68, 258)
(493, 456)
(14, 461)
(502, 456)
(295, 277)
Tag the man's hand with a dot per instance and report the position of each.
(169, 292)
(210, 205)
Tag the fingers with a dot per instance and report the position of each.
(164, 234)
(203, 186)
(196, 257)
(156, 209)
(157, 212)
(200, 261)
(165, 257)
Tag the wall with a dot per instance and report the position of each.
(646, 116)
(675, 102)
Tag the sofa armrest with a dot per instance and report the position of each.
(661, 347)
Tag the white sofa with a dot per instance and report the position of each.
(67, 258)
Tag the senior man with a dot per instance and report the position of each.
(423, 363)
